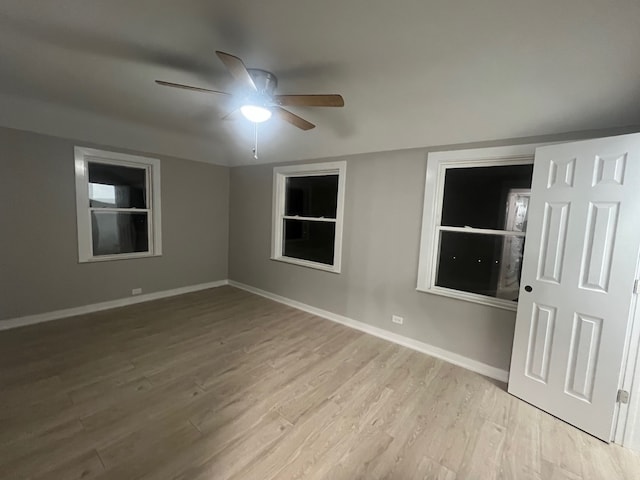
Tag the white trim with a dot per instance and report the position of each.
(82, 156)
(310, 169)
(437, 164)
(627, 423)
(280, 174)
(484, 231)
(472, 297)
(96, 307)
(454, 358)
(309, 219)
(119, 210)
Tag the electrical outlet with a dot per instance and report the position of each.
(397, 319)
(136, 291)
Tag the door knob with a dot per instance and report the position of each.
(528, 288)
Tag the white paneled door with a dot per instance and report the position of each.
(576, 296)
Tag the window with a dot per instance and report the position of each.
(308, 207)
(474, 224)
(117, 205)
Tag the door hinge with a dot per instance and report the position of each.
(636, 285)
(623, 396)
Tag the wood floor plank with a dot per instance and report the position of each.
(483, 455)
(551, 471)
(214, 456)
(141, 451)
(293, 446)
(32, 393)
(430, 470)
(31, 420)
(521, 457)
(324, 451)
(22, 447)
(223, 384)
(160, 437)
(85, 466)
(355, 461)
(565, 452)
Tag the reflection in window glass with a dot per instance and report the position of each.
(101, 194)
(478, 197)
(517, 210)
(119, 232)
(117, 186)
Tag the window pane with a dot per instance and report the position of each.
(484, 264)
(116, 186)
(487, 197)
(313, 196)
(309, 240)
(119, 232)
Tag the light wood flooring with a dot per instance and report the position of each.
(223, 384)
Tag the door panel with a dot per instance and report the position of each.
(539, 352)
(602, 223)
(561, 173)
(554, 236)
(583, 356)
(582, 244)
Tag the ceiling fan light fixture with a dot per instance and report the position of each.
(255, 113)
(258, 100)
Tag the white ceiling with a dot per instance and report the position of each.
(412, 72)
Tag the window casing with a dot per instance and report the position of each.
(466, 251)
(308, 209)
(117, 205)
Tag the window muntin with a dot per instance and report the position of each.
(474, 224)
(308, 208)
(118, 205)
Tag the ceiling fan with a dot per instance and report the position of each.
(257, 99)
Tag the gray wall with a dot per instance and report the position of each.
(383, 215)
(383, 212)
(39, 269)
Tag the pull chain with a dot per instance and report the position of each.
(255, 148)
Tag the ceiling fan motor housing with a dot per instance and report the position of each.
(266, 82)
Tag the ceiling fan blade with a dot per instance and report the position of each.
(333, 100)
(237, 69)
(293, 119)
(230, 115)
(188, 87)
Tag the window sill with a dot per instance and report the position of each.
(308, 264)
(471, 297)
(122, 256)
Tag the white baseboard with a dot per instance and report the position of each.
(464, 362)
(96, 307)
(461, 361)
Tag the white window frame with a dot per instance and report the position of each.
(82, 157)
(280, 175)
(437, 165)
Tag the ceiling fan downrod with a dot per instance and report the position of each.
(255, 147)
